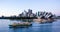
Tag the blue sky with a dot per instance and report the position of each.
(14, 7)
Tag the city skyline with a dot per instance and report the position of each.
(15, 7)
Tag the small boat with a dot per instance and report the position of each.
(22, 24)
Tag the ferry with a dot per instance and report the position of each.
(20, 24)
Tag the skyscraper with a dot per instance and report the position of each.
(30, 11)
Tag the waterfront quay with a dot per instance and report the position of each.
(38, 16)
(18, 17)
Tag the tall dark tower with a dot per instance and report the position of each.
(30, 11)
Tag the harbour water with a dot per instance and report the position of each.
(36, 27)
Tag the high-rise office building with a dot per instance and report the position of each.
(30, 11)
